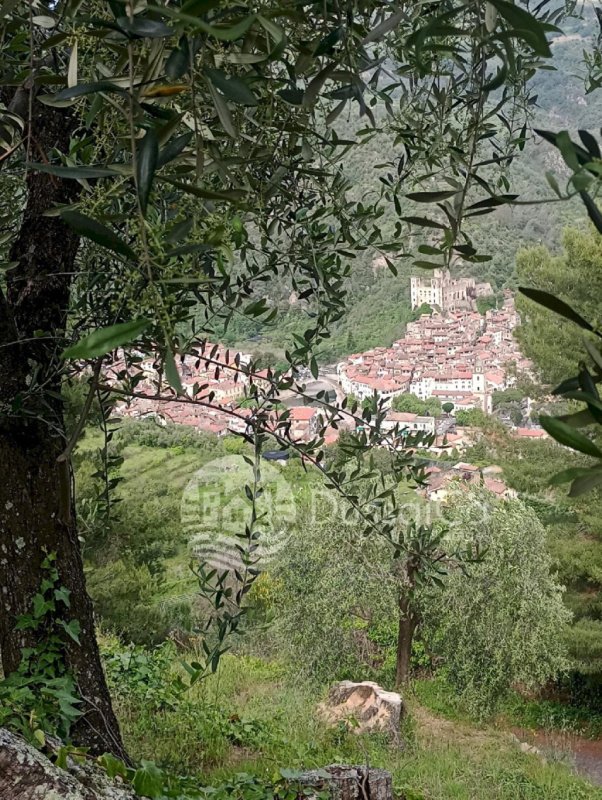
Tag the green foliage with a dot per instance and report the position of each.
(473, 418)
(150, 781)
(41, 696)
(204, 157)
(545, 337)
(439, 760)
(485, 303)
(327, 605)
(74, 394)
(514, 395)
(414, 405)
(552, 716)
(434, 692)
(572, 527)
(498, 624)
(582, 252)
(151, 434)
(104, 340)
(141, 675)
(127, 599)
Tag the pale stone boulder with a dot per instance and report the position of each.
(364, 706)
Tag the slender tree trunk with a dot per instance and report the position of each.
(36, 510)
(405, 637)
(408, 619)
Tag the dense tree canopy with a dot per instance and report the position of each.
(574, 276)
(497, 624)
(414, 405)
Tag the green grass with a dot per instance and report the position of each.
(549, 715)
(254, 717)
(251, 717)
(432, 693)
(546, 716)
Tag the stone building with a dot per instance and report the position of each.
(447, 293)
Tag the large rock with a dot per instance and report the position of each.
(365, 706)
(26, 774)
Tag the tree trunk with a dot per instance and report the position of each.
(405, 637)
(36, 510)
(343, 782)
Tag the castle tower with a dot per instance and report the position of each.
(427, 290)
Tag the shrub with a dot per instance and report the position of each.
(499, 624)
(125, 599)
(332, 588)
(140, 674)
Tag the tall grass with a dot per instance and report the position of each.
(251, 716)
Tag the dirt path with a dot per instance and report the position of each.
(584, 754)
(433, 728)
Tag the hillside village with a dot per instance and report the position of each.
(452, 353)
(456, 356)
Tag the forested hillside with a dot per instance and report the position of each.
(378, 302)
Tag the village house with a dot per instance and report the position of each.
(411, 422)
(461, 477)
(529, 433)
(460, 357)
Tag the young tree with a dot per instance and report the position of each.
(329, 607)
(422, 556)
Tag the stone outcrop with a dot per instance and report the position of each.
(27, 774)
(365, 706)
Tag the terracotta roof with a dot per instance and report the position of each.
(302, 413)
(495, 486)
(530, 433)
(463, 466)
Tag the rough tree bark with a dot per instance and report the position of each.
(344, 782)
(33, 519)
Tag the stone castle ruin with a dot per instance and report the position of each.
(445, 293)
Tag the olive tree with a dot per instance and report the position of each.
(162, 166)
(499, 622)
(331, 609)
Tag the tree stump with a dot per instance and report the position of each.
(364, 706)
(346, 782)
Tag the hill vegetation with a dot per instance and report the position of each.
(318, 618)
(378, 303)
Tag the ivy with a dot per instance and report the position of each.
(40, 697)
